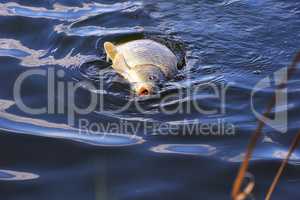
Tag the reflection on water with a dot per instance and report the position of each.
(9, 175)
(65, 13)
(186, 149)
(25, 125)
(219, 152)
(96, 30)
(33, 58)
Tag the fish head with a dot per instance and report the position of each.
(145, 79)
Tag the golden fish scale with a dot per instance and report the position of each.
(143, 52)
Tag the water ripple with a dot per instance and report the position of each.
(36, 58)
(96, 30)
(185, 149)
(9, 175)
(64, 13)
(25, 125)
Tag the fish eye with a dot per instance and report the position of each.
(152, 77)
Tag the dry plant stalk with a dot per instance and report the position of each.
(236, 193)
(293, 146)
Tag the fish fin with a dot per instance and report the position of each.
(121, 66)
(111, 51)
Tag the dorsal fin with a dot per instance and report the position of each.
(121, 66)
(111, 51)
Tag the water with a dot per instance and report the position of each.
(224, 43)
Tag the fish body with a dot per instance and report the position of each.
(143, 63)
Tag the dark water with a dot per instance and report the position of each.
(224, 43)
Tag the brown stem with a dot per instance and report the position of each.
(254, 138)
(283, 165)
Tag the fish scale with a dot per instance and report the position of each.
(143, 52)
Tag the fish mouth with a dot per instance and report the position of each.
(144, 90)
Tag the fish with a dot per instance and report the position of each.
(144, 63)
